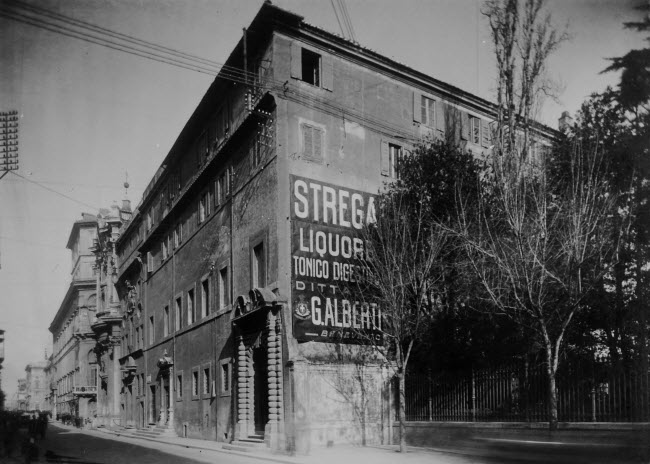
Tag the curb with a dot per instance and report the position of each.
(263, 456)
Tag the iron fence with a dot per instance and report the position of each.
(518, 392)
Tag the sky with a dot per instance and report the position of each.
(92, 117)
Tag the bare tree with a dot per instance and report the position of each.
(523, 38)
(537, 244)
(400, 277)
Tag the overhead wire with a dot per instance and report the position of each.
(55, 191)
(336, 13)
(111, 33)
(196, 63)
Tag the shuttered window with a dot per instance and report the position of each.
(427, 111)
(312, 143)
(312, 67)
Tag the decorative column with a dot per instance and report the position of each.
(117, 381)
(274, 353)
(243, 400)
(163, 407)
(279, 377)
(170, 415)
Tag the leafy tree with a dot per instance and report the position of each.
(604, 123)
(634, 87)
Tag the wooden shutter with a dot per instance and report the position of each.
(417, 107)
(296, 60)
(327, 72)
(485, 134)
(464, 125)
(385, 155)
(440, 115)
(318, 144)
(307, 141)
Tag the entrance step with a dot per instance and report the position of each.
(250, 444)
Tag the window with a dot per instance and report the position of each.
(195, 383)
(474, 130)
(137, 338)
(225, 377)
(151, 332)
(394, 158)
(263, 141)
(163, 249)
(149, 221)
(190, 307)
(259, 266)
(166, 321)
(149, 262)
(179, 386)
(177, 235)
(223, 287)
(202, 150)
(141, 336)
(223, 187)
(205, 298)
(428, 111)
(310, 67)
(312, 143)
(206, 381)
(178, 312)
(204, 206)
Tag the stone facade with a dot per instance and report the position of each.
(37, 387)
(232, 267)
(73, 369)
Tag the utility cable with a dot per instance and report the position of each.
(337, 18)
(112, 33)
(55, 191)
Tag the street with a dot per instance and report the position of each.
(67, 445)
(63, 445)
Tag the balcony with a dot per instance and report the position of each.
(88, 390)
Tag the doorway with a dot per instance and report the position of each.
(261, 398)
(152, 404)
(141, 415)
(167, 403)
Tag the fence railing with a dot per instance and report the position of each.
(587, 392)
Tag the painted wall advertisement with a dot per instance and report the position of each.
(326, 250)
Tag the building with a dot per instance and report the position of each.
(107, 325)
(37, 388)
(231, 269)
(2, 358)
(20, 397)
(73, 369)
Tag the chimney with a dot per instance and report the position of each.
(565, 121)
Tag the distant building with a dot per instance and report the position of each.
(107, 325)
(20, 399)
(73, 370)
(231, 271)
(2, 358)
(37, 387)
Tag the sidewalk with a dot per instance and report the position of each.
(319, 455)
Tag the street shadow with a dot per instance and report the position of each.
(51, 456)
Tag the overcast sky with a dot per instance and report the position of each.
(90, 114)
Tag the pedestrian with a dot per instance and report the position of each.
(42, 426)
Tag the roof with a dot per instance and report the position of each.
(273, 18)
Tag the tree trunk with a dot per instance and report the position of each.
(402, 412)
(552, 397)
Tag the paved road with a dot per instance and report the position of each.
(66, 445)
(70, 446)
